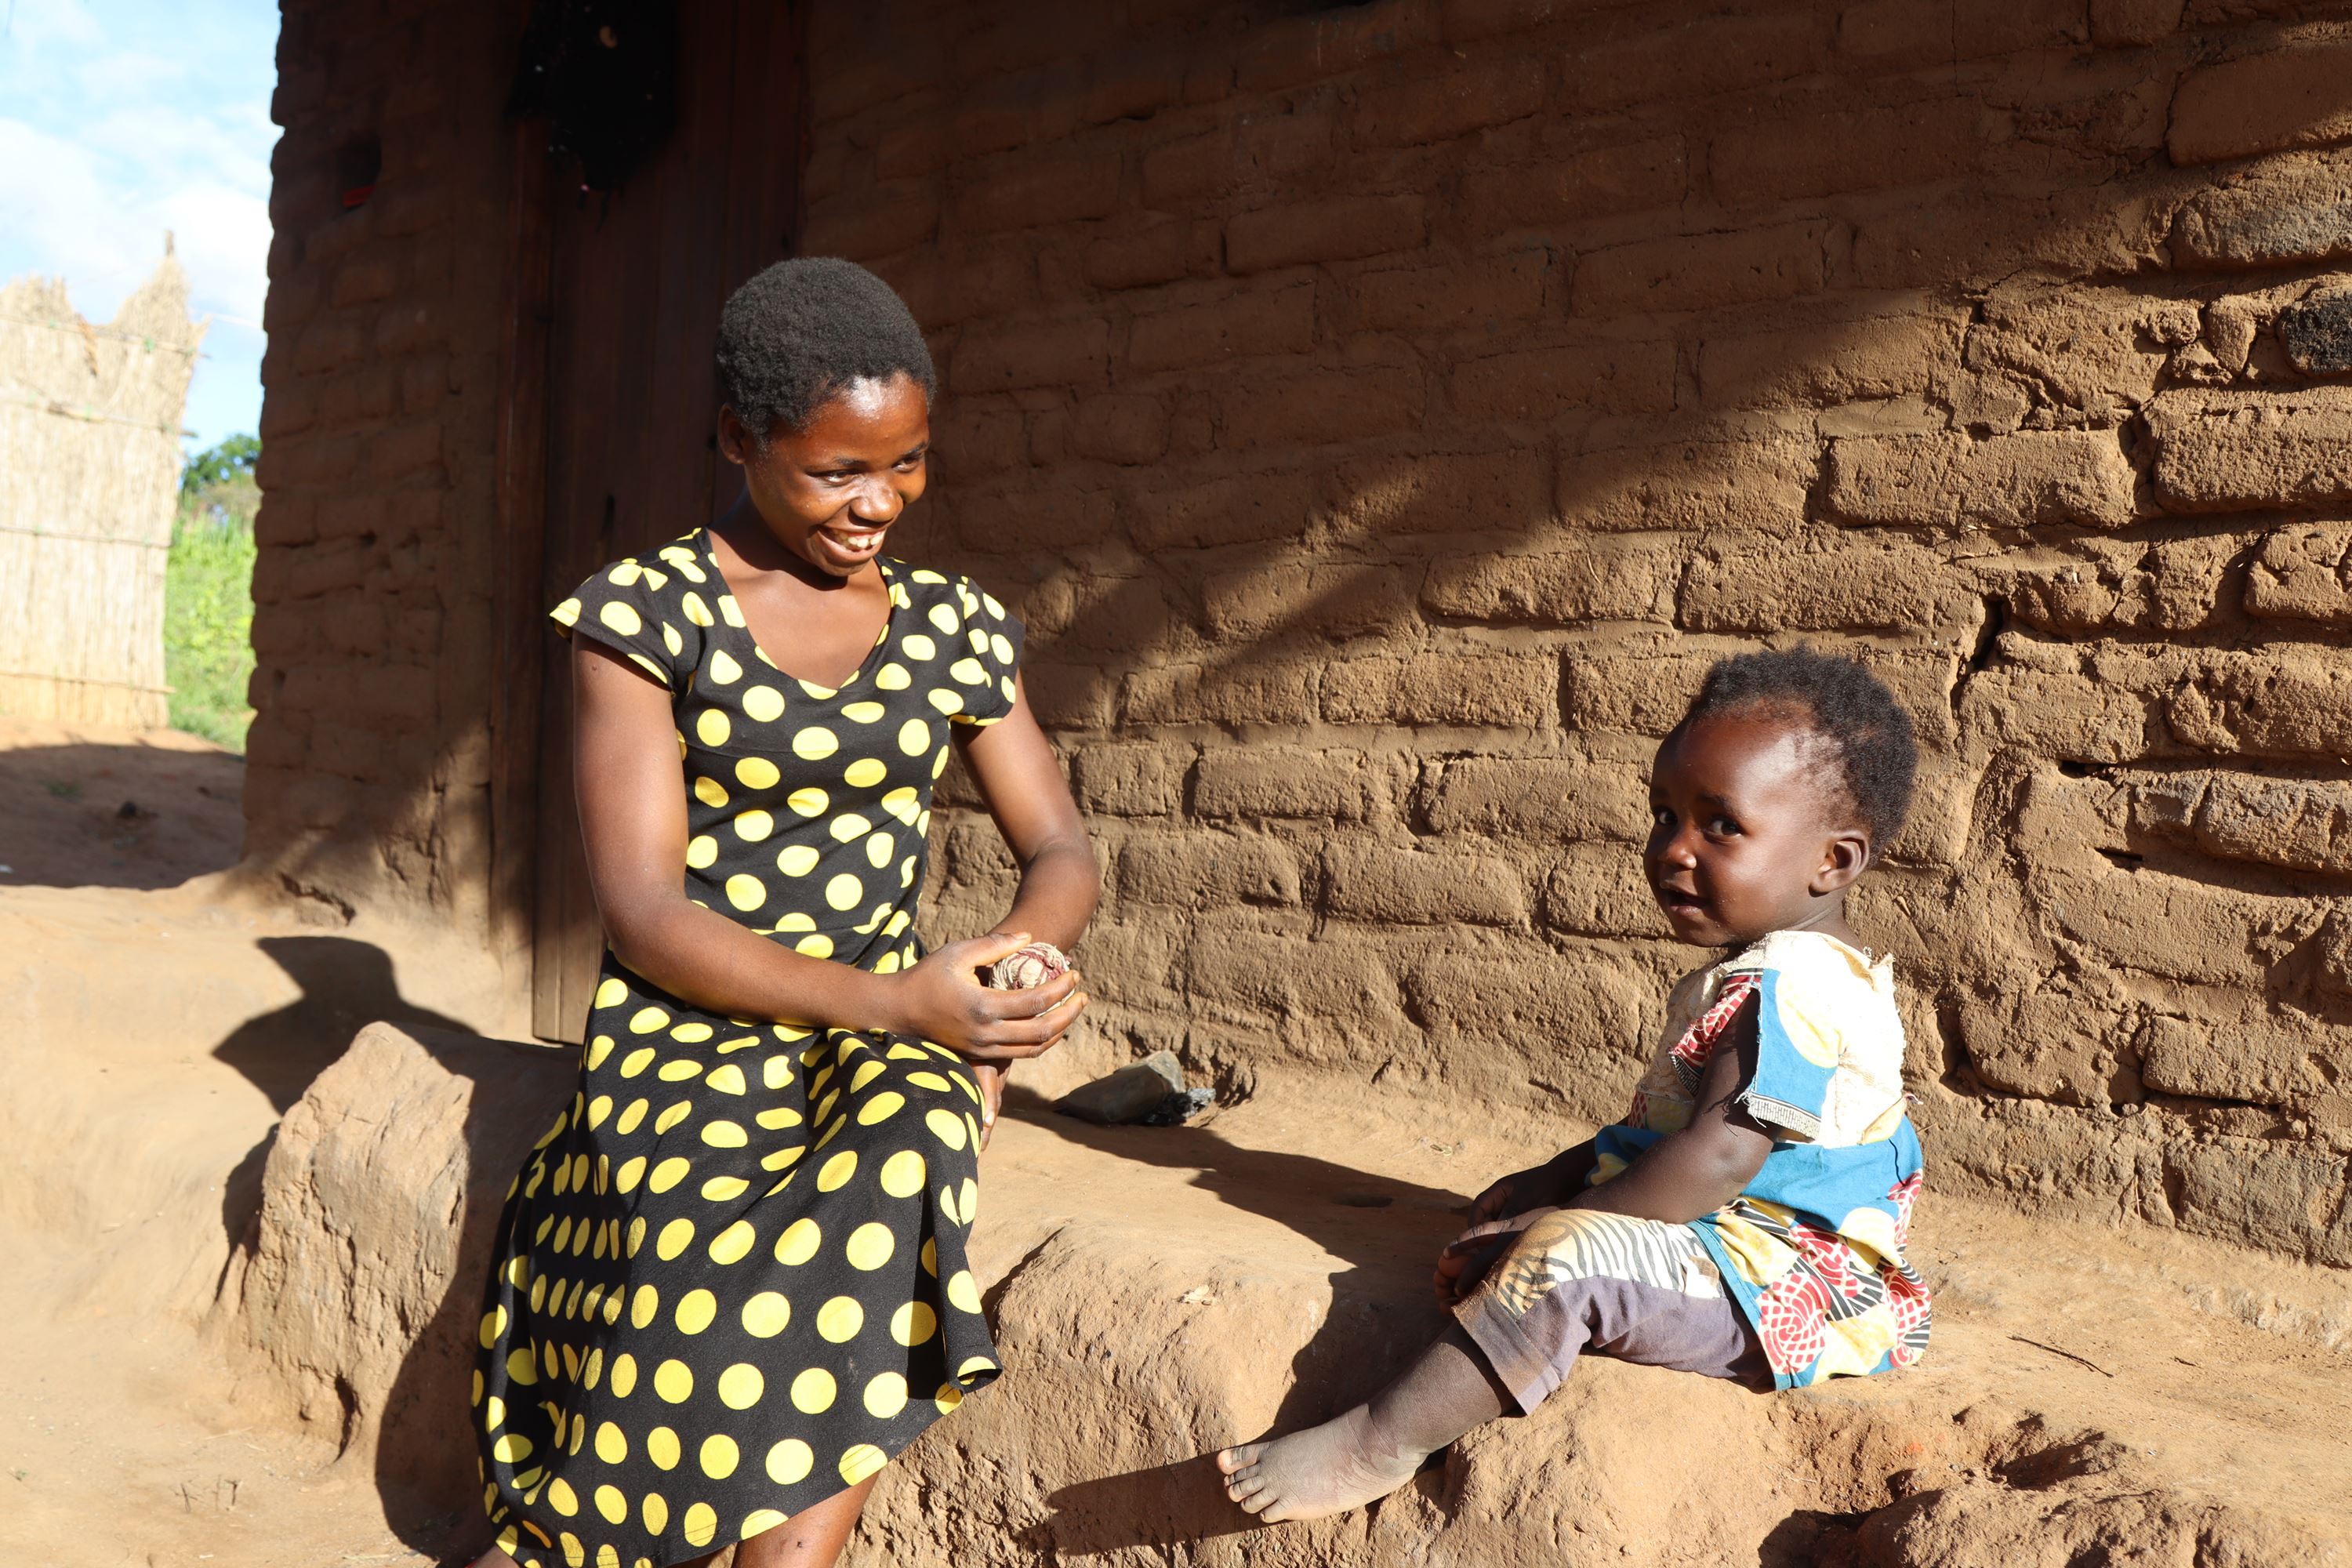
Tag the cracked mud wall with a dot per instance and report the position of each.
(1383, 414)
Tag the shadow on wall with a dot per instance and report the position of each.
(1362, 729)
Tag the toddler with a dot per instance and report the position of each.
(1747, 1217)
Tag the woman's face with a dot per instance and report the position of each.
(829, 492)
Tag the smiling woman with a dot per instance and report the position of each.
(737, 1258)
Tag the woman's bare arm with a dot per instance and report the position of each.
(632, 818)
(1021, 782)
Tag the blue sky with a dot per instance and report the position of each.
(122, 119)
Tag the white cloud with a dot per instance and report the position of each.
(109, 141)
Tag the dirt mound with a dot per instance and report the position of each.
(1161, 1291)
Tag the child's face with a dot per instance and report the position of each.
(1745, 837)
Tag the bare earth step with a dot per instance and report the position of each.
(1161, 1291)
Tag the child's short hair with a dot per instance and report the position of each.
(1846, 705)
(802, 330)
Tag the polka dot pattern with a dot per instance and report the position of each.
(732, 1278)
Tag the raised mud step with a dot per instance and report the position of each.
(1159, 1293)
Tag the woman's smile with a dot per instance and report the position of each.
(850, 542)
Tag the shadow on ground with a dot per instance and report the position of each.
(116, 816)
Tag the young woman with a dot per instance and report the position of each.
(732, 1282)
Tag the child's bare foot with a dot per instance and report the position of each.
(493, 1558)
(1324, 1471)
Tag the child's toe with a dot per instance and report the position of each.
(1256, 1499)
(1240, 1456)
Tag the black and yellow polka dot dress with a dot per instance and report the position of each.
(730, 1280)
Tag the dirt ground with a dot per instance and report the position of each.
(2095, 1394)
(110, 808)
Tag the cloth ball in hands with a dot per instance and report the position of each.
(1035, 964)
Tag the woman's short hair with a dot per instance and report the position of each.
(800, 332)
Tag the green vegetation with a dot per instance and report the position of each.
(209, 594)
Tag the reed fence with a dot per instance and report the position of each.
(89, 465)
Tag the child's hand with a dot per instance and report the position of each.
(1539, 1187)
(1463, 1263)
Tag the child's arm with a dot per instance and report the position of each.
(1679, 1178)
(1546, 1185)
(1699, 1170)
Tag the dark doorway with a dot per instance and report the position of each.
(607, 447)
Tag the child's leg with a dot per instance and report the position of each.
(1369, 1451)
(1636, 1290)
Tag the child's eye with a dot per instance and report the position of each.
(1660, 816)
(1723, 827)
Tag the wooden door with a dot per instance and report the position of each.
(635, 280)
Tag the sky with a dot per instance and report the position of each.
(122, 119)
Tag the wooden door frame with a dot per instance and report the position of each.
(764, 227)
(517, 559)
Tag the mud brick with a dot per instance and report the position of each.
(1700, 272)
(1642, 694)
(1069, 353)
(1842, 362)
(2030, 478)
(1310, 48)
(1160, 253)
(1241, 692)
(1412, 886)
(2227, 451)
(1632, 177)
(1248, 322)
(869, 223)
(1541, 798)
(1225, 512)
(2303, 574)
(1463, 688)
(1508, 490)
(2290, 97)
(1195, 870)
(2298, 208)
(1536, 386)
(1584, 580)
(1461, 294)
(1287, 781)
(1846, 150)
(2317, 332)
(1145, 779)
(1025, 190)
(1315, 406)
(1120, 427)
(1339, 600)
(1337, 228)
(1453, 102)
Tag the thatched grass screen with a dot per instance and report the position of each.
(89, 468)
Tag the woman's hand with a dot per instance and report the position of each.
(1463, 1263)
(941, 1000)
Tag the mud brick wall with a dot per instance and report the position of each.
(368, 767)
(1383, 414)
